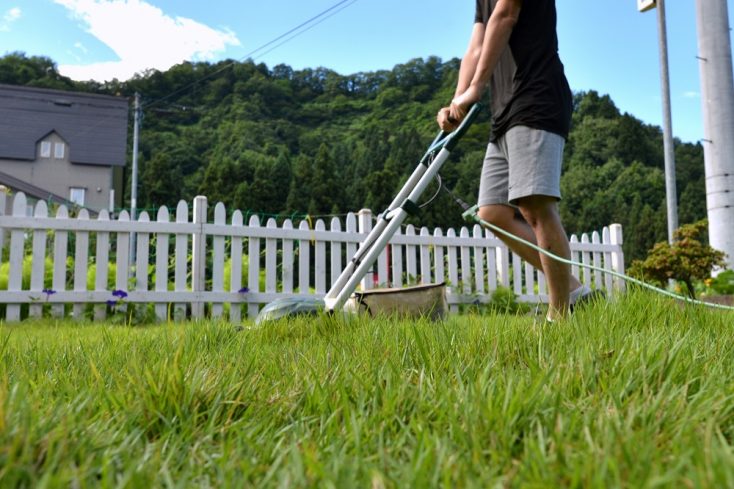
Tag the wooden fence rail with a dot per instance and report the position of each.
(187, 267)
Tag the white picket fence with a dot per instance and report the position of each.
(281, 261)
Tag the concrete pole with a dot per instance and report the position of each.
(134, 185)
(671, 191)
(717, 97)
(136, 134)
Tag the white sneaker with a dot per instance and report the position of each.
(581, 291)
(584, 294)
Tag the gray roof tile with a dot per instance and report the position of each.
(94, 126)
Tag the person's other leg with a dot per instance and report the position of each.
(541, 214)
(508, 219)
(494, 207)
(535, 159)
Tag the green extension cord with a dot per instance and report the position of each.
(471, 214)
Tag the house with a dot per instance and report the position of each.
(63, 147)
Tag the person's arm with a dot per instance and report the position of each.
(471, 59)
(466, 73)
(495, 41)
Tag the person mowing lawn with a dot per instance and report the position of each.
(513, 51)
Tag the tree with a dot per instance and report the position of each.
(325, 185)
(686, 260)
(155, 190)
(270, 185)
(633, 195)
(691, 182)
(37, 71)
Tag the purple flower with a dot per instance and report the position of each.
(48, 291)
(111, 303)
(119, 293)
(243, 290)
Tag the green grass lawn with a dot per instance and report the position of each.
(637, 393)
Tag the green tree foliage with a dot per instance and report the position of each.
(614, 172)
(37, 71)
(279, 140)
(688, 259)
(723, 283)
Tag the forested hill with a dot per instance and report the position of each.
(294, 142)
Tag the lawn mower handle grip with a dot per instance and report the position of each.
(449, 140)
(456, 135)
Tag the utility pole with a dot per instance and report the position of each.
(671, 192)
(717, 98)
(136, 135)
(134, 186)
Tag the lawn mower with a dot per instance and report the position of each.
(388, 222)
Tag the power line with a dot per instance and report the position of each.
(333, 10)
(296, 31)
(336, 5)
(350, 2)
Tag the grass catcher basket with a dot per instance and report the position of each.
(427, 300)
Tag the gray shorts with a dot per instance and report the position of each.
(521, 163)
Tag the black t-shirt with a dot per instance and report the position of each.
(528, 85)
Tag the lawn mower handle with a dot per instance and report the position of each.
(450, 140)
(458, 133)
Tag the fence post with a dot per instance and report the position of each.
(253, 267)
(181, 252)
(218, 259)
(3, 205)
(364, 218)
(15, 268)
(198, 267)
(161, 264)
(617, 254)
(304, 260)
(235, 277)
(606, 238)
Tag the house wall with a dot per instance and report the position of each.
(60, 175)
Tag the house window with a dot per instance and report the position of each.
(77, 194)
(45, 149)
(59, 149)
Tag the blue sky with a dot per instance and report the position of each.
(606, 45)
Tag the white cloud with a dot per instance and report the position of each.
(692, 94)
(9, 17)
(143, 37)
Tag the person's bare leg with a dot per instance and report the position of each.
(541, 214)
(505, 217)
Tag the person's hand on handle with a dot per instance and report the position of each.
(460, 105)
(450, 117)
(445, 121)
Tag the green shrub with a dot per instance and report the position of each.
(687, 260)
(504, 301)
(723, 283)
(111, 276)
(26, 280)
(245, 273)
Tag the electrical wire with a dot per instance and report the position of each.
(334, 9)
(438, 180)
(297, 30)
(350, 2)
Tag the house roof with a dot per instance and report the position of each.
(37, 192)
(94, 126)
